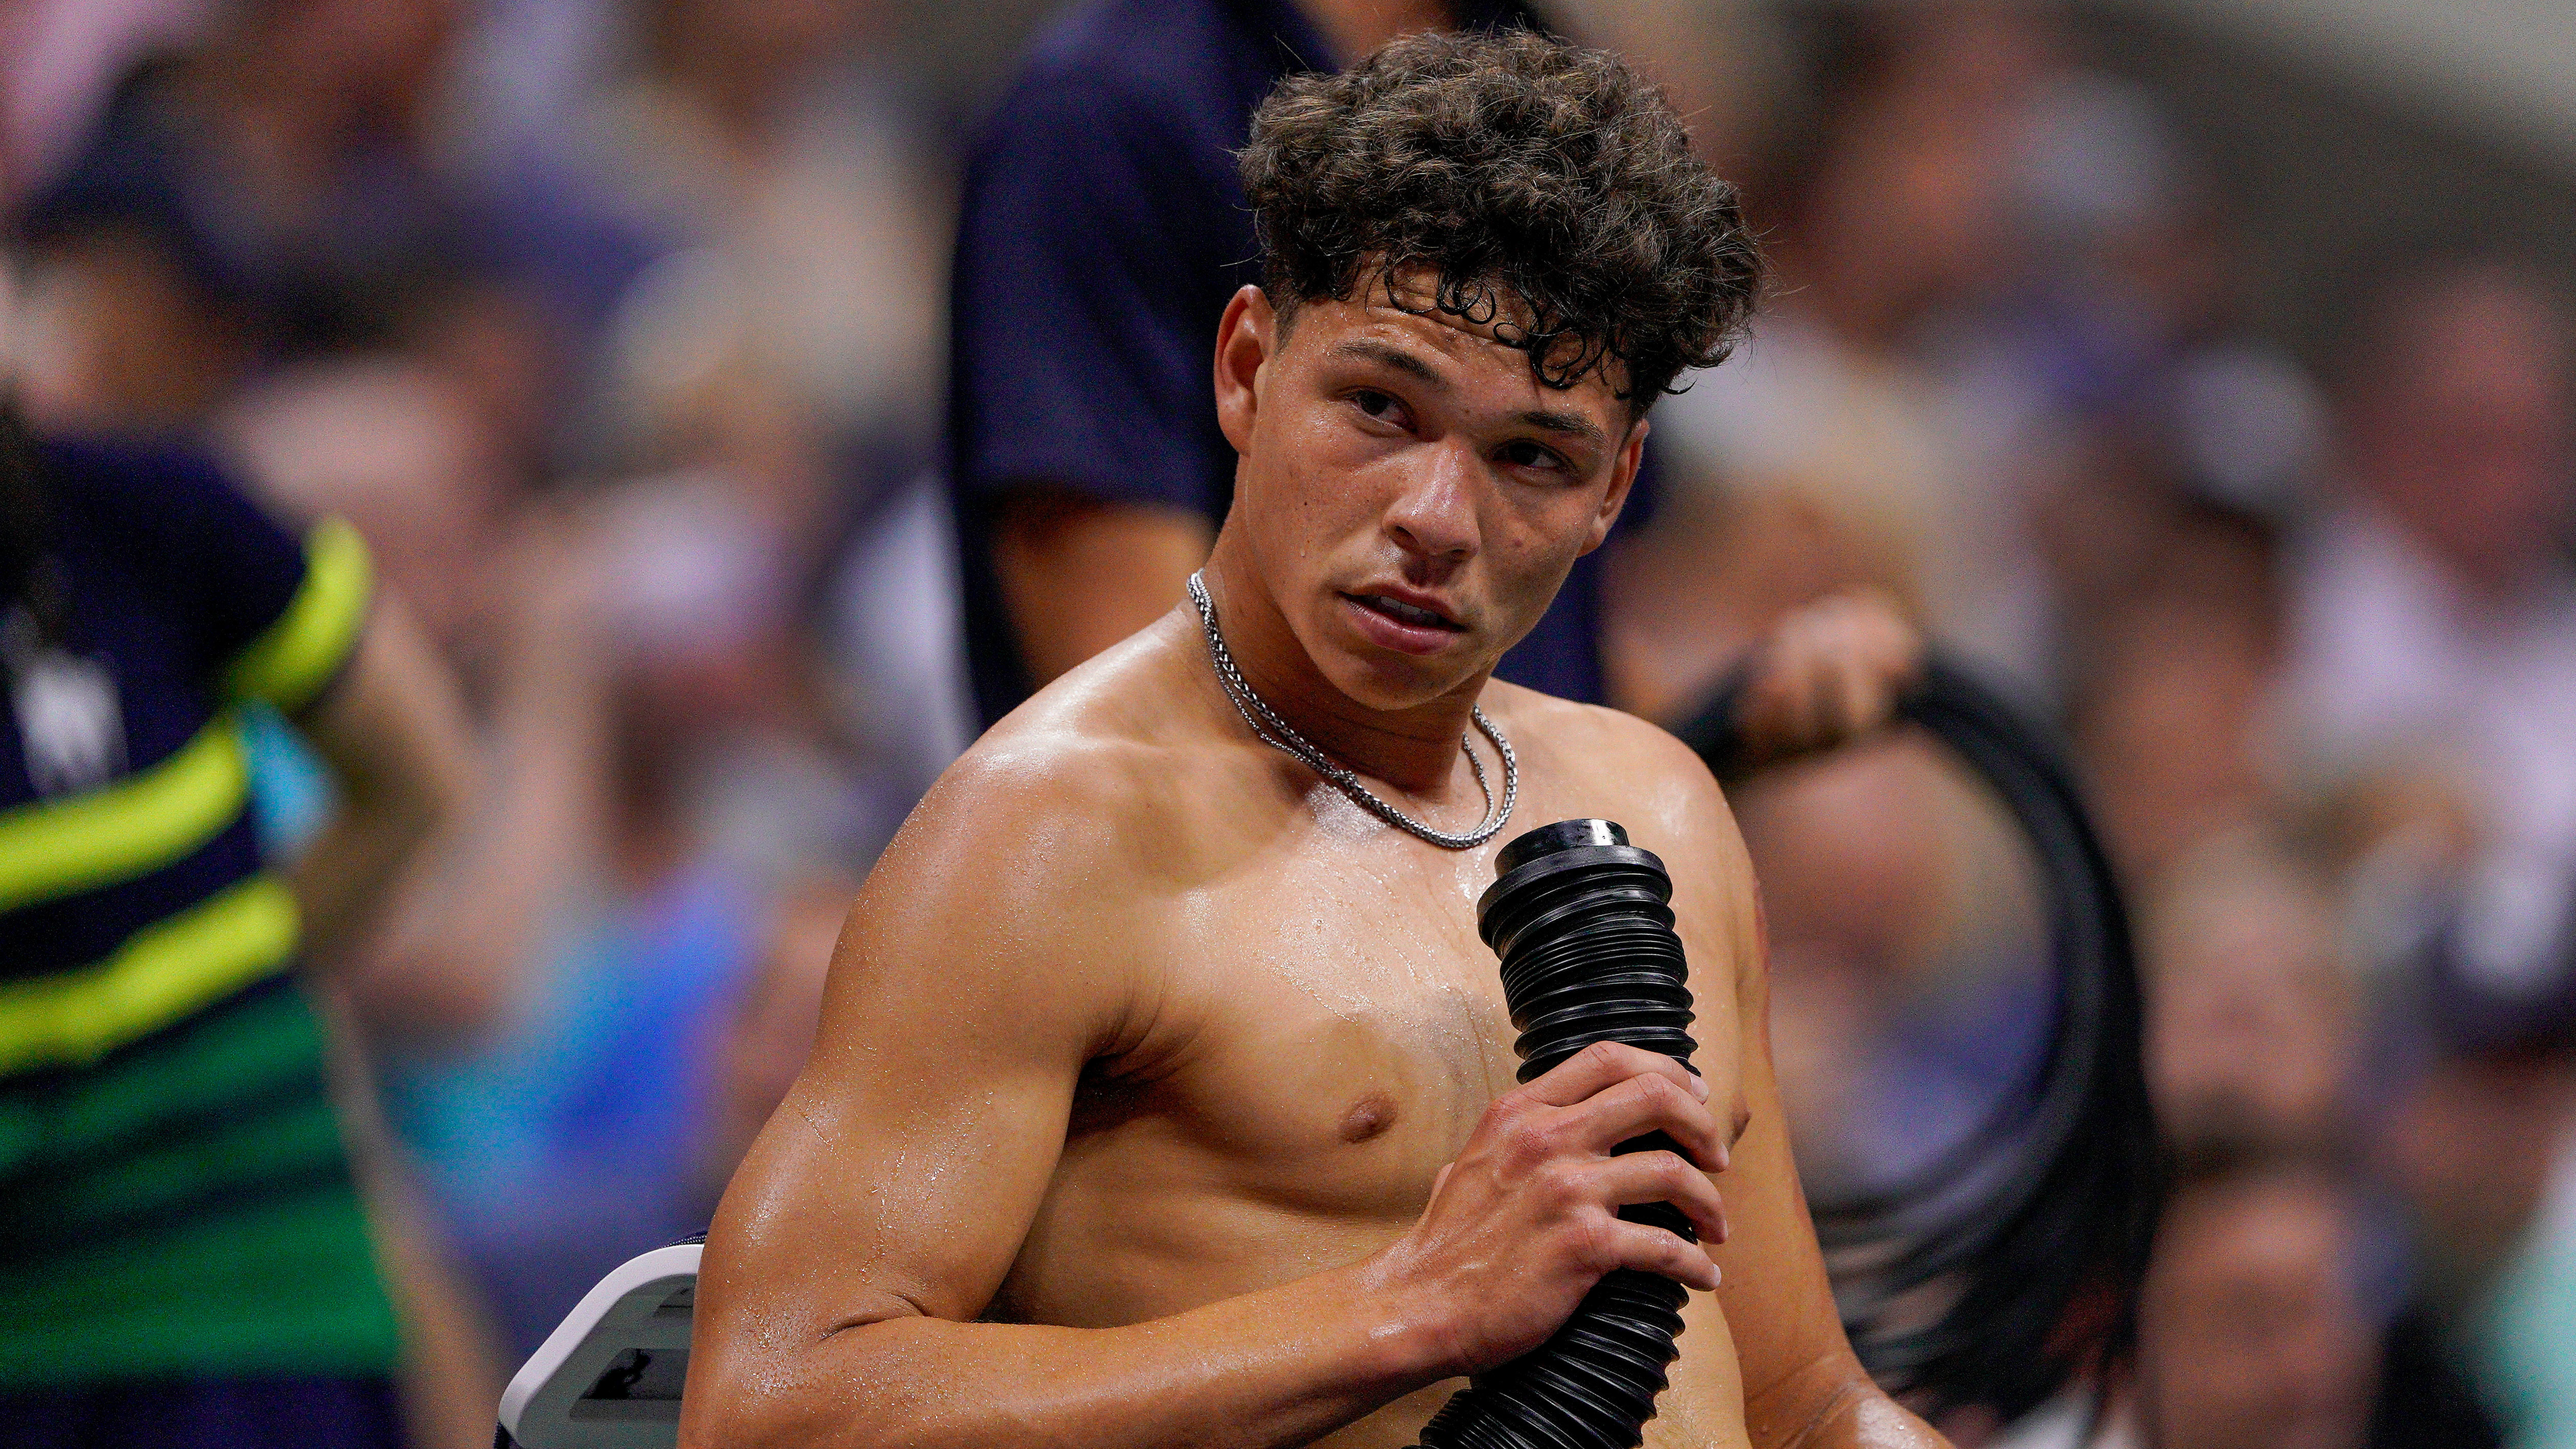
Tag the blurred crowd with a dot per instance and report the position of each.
(617, 329)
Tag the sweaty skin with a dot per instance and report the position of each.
(1165, 1097)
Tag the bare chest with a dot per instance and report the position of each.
(1323, 1032)
(1335, 1027)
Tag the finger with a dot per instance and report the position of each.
(1652, 1250)
(1665, 1177)
(1858, 700)
(1771, 703)
(1895, 646)
(1604, 1064)
(1646, 1104)
(1820, 691)
(1783, 693)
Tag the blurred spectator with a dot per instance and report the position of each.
(2253, 1030)
(1104, 231)
(2255, 1333)
(277, 185)
(128, 324)
(783, 342)
(285, 163)
(190, 1262)
(2252, 1334)
(2171, 695)
(2433, 611)
(795, 222)
(1891, 210)
(664, 772)
(388, 445)
(396, 449)
(773, 1023)
(2481, 1143)
(1903, 936)
(62, 57)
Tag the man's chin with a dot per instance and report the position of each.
(1391, 682)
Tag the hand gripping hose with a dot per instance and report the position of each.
(1581, 921)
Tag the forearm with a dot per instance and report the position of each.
(345, 872)
(1283, 1366)
(1861, 1417)
(394, 738)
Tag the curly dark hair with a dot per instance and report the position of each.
(1542, 184)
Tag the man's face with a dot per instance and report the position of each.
(1409, 491)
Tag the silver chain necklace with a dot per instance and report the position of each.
(1271, 730)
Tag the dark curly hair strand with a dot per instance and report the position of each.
(1549, 190)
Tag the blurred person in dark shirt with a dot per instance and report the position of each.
(189, 1262)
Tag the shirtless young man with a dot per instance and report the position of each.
(1164, 1096)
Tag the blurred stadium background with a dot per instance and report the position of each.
(2202, 367)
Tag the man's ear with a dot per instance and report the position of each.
(1245, 340)
(1623, 476)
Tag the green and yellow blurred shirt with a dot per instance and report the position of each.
(175, 1199)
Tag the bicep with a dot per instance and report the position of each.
(906, 1163)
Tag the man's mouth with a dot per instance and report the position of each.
(1404, 613)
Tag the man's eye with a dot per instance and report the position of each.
(1374, 403)
(1530, 455)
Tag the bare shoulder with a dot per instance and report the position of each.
(1644, 777)
(1028, 871)
(1072, 788)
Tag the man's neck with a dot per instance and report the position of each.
(1413, 749)
(1356, 28)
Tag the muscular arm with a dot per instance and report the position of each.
(990, 958)
(878, 1212)
(1079, 574)
(1803, 1387)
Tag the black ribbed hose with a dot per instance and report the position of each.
(1582, 923)
(2011, 1263)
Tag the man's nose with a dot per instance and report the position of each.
(1434, 517)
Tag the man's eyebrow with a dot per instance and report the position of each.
(1555, 422)
(1544, 419)
(1395, 357)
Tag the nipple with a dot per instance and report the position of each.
(1368, 1118)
